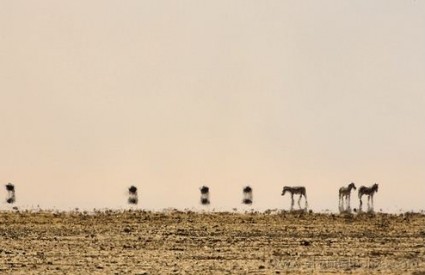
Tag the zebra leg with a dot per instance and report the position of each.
(306, 202)
(299, 201)
(368, 202)
(341, 202)
(361, 203)
(348, 202)
(292, 201)
(371, 197)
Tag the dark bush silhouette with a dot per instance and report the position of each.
(205, 195)
(204, 190)
(11, 198)
(247, 201)
(247, 189)
(132, 189)
(205, 201)
(247, 195)
(10, 187)
(133, 200)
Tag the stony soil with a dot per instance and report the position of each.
(138, 242)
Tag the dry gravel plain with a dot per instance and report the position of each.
(140, 242)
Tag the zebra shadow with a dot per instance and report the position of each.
(369, 210)
(347, 210)
(298, 211)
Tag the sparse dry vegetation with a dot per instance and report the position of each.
(140, 242)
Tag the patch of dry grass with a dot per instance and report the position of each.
(140, 242)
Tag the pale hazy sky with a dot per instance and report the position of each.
(168, 95)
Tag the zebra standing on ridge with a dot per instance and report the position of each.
(369, 191)
(297, 190)
(345, 192)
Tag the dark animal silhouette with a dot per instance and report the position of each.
(132, 198)
(345, 192)
(369, 191)
(205, 195)
(297, 190)
(247, 195)
(11, 196)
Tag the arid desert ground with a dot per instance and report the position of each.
(140, 242)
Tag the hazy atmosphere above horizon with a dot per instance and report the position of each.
(171, 95)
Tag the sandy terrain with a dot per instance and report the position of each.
(139, 242)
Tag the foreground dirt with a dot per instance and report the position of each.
(139, 242)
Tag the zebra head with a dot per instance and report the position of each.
(375, 187)
(286, 188)
(352, 186)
